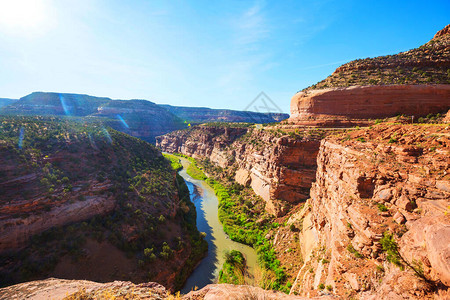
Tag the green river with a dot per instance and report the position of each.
(206, 204)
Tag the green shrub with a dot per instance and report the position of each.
(355, 252)
(382, 207)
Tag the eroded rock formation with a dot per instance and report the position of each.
(279, 168)
(345, 105)
(364, 189)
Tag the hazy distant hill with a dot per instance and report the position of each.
(204, 114)
(140, 118)
(6, 101)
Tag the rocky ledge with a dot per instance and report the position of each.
(57, 289)
(350, 105)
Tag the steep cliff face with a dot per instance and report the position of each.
(344, 105)
(362, 186)
(388, 179)
(279, 167)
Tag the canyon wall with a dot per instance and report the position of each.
(280, 168)
(364, 189)
(361, 184)
(20, 220)
(336, 105)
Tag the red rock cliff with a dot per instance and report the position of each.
(368, 102)
(364, 189)
(277, 166)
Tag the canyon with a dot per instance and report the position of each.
(91, 195)
(354, 212)
(280, 169)
(367, 208)
(362, 184)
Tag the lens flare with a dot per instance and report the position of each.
(64, 105)
(108, 136)
(91, 140)
(21, 136)
(123, 121)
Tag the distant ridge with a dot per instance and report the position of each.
(140, 118)
(6, 101)
(204, 114)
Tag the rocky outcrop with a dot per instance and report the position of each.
(413, 83)
(427, 64)
(231, 292)
(370, 182)
(447, 117)
(60, 289)
(280, 168)
(16, 231)
(345, 105)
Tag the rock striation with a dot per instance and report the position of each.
(349, 104)
(364, 189)
(279, 168)
(414, 83)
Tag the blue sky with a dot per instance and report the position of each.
(218, 54)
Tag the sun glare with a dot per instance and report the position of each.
(25, 14)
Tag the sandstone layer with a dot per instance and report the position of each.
(362, 184)
(336, 106)
(279, 168)
(59, 289)
(366, 188)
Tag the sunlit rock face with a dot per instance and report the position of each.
(367, 185)
(414, 83)
(336, 105)
(279, 168)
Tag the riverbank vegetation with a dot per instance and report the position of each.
(233, 269)
(174, 161)
(193, 169)
(244, 220)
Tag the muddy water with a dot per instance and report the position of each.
(206, 204)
